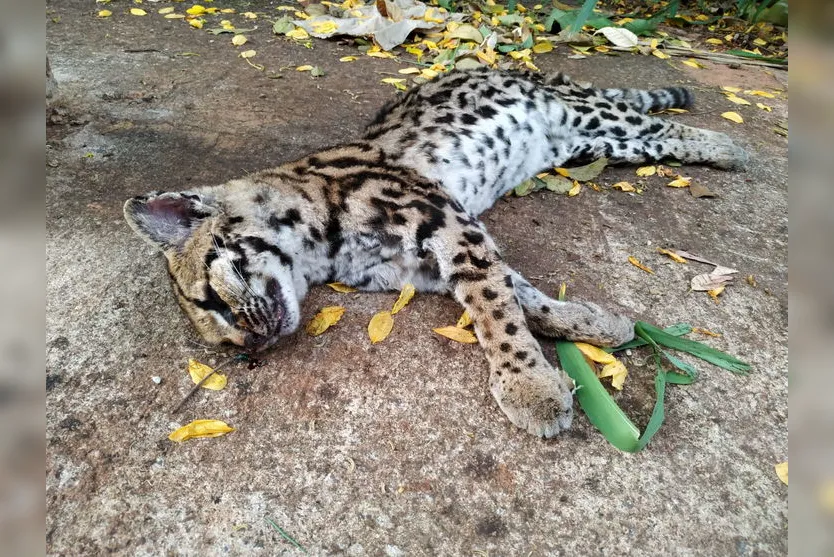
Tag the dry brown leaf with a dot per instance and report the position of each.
(708, 281)
(324, 319)
(405, 296)
(380, 326)
(700, 190)
(457, 334)
(705, 332)
(633, 261)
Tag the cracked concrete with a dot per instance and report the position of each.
(396, 448)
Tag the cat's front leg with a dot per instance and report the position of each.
(533, 394)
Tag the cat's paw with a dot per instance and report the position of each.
(539, 401)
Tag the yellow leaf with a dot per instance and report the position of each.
(562, 289)
(414, 51)
(239, 40)
(163, 11)
(487, 56)
(379, 54)
(428, 73)
(601, 48)
(457, 334)
(405, 296)
(623, 186)
(138, 11)
(646, 171)
(737, 100)
(542, 47)
(324, 319)
(733, 117)
(407, 71)
(398, 83)
(198, 23)
(758, 93)
(520, 54)
(196, 9)
(672, 255)
(653, 44)
(227, 11)
(764, 107)
(705, 332)
(304, 68)
(298, 34)
(595, 354)
(200, 428)
(464, 321)
(661, 55)
(341, 287)
(759, 42)
(325, 27)
(617, 372)
(198, 371)
(174, 16)
(633, 261)
(692, 63)
(731, 89)
(714, 41)
(348, 59)
(782, 471)
(577, 187)
(715, 293)
(250, 15)
(208, 10)
(380, 326)
(680, 182)
(105, 13)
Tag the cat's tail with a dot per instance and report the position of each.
(654, 100)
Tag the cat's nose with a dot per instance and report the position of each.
(255, 342)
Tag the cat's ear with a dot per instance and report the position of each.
(167, 220)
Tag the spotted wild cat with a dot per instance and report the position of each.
(401, 204)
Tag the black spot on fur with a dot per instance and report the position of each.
(511, 329)
(489, 294)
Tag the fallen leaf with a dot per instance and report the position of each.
(398, 83)
(759, 42)
(666, 172)
(196, 23)
(751, 280)
(623, 186)
(694, 257)
(316, 71)
(405, 296)
(298, 34)
(595, 354)
(324, 319)
(758, 93)
(325, 27)
(163, 11)
(525, 188)
(737, 100)
(239, 40)
(680, 182)
(617, 371)
(714, 41)
(174, 16)
(646, 171)
(105, 13)
(731, 89)
(305, 68)
(380, 326)
(585, 173)
(348, 59)
(464, 321)
(408, 71)
(457, 334)
(200, 428)
(467, 32)
(705, 332)
(672, 255)
(198, 371)
(138, 11)
(782, 471)
(250, 15)
(699, 190)
(557, 184)
(341, 287)
(542, 46)
(196, 9)
(709, 281)
(619, 36)
(633, 261)
(733, 117)
(661, 55)
(715, 292)
(764, 107)
(574, 191)
(692, 63)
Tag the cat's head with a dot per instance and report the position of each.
(231, 287)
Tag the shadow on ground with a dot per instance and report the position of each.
(396, 448)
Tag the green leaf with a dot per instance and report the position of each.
(525, 188)
(589, 171)
(675, 330)
(283, 26)
(557, 184)
(753, 55)
(509, 20)
(697, 349)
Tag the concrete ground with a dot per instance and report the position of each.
(396, 448)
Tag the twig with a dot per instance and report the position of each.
(139, 50)
(200, 384)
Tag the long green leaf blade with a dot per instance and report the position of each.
(697, 349)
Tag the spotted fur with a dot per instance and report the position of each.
(400, 206)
